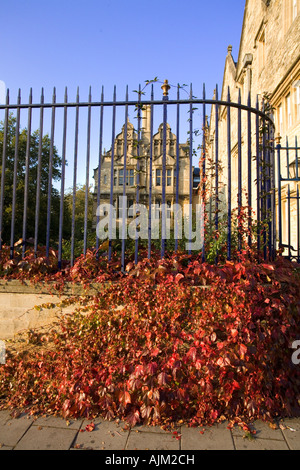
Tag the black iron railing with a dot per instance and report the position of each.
(288, 198)
(26, 193)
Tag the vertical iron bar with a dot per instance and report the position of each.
(62, 187)
(112, 176)
(264, 182)
(217, 161)
(124, 209)
(137, 197)
(27, 163)
(287, 158)
(268, 189)
(296, 156)
(249, 174)
(298, 214)
(203, 173)
(258, 179)
(87, 189)
(239, 172)
(150, 174)
(272, 190)
(289, 201)
(12, 232)
(75, 178)
(164, 158)
(289, 220)
(278, 147)
(177, 168)
(50, 174)
(190, 169)
(298, 225)
(3, 167)
(99, 165)
(229, 177)
(39, 170)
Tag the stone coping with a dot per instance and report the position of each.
(25, 286)
(16, 286)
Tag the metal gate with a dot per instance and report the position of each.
(288, 199)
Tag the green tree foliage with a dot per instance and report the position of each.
(79, 215)
(32, 182)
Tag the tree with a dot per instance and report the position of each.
(79, 218)
(32, 184)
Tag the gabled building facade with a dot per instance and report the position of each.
(141, 177)
(268, 64)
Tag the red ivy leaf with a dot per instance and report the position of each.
(192, 354)
(243, 349)
(124, 397)
(133, 418)
(90, 427)
(151, 368)
(155, 352)
(270, 267)
(178, 277)
(162, 378)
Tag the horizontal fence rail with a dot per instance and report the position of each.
(162, 154)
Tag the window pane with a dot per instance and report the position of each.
(169, 177)
(157, 208)
(288, 110)
(168, 209)
(158, 177)
(130, 208)
(131, 177)
(121, 174)
(280, 120)
(298, 100)
(295, 9)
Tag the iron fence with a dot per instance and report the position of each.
(288, 198)
(226, 162)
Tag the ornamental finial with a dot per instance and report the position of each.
(165, 88)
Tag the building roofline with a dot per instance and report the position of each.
(242, 36)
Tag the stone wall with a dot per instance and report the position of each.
(268, 61)
(24, 306)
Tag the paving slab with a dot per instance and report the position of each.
(106, 435)
(255, 443)
(46, 438)
(265, 438)
(263, 431)
(4, 416)
(13, 429)
(54, 433)
(155, 429)
(292, 432)
(56, 422)
(141, 440)
(217, 437)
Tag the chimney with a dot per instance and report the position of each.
(146, 121)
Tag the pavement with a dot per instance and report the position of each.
(53, 433)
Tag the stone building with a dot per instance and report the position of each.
(140, 178)
(268, 62)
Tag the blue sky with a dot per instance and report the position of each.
(114, 42)
(105, 43)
